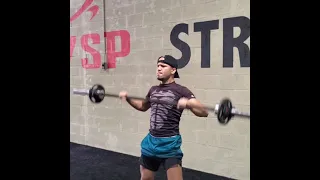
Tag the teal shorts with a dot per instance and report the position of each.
(162, 147)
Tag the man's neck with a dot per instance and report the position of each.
(168, 81)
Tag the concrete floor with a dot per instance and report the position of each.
(88, 163)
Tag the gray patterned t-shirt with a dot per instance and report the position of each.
(165, 119)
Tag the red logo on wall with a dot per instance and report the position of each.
(94, 10)
(94, 38)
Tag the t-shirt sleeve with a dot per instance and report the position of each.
(187, 93)
(149, 93)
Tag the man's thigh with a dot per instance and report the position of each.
(150, 163)
(173, 166)
(146, 174)
(172, 162)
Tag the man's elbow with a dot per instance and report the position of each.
(203, 113)
(206, 114)
(144, 110)
(144, 107)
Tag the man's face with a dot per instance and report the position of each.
(164, 71)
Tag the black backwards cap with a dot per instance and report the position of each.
(171, 62)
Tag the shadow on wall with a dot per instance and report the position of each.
(89, 163)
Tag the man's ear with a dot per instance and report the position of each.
(173, 70)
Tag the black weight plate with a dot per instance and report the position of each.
(96, 93)
(224, 112)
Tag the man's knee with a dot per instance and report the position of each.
(175, 172)
(146, 177)
(146, 174)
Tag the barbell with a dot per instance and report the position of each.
(224, 110)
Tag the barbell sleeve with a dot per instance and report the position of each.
(83, 92)
(234, 111)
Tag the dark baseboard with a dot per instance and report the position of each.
(89, 163)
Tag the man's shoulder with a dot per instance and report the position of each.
(185, 91)
(181, 86)
(154, 87)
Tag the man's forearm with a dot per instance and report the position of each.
(197, 108)
(136, 103)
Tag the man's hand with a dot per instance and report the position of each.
(182, 103)
(123, 95)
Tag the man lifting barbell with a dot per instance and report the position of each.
(162, 145)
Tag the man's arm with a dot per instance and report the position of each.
(140, 105)
(197, 108)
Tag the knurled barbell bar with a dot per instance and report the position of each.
(224, 111)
